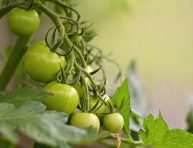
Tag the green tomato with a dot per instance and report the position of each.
(41, 64)
(113, 122)
(103, 109)
(59, 10)
(23, 22)
(64, 99)
(85, 120)
(76, 38)
(67, 26)
(80, 89)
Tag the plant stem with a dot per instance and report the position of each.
(5, 10)
(13, 61)
(86, 93)
(86, 73)
(70, 64)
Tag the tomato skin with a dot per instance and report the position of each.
(41, 64)
(85, 120)
(64, 99)
(23, 22)
(113, 122)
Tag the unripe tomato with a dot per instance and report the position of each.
(103, 109)
(80, 89)
(85, 120)
(76, 38)
(113, 122)
(59, 10)
(41, 64)
(64, 99)
(23, 22)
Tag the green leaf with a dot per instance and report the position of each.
(22, 94)
(158, 134)
(4, 143)
(46, 127)
(189, 120)
(39, 145)
(121, 99)
(156, 130)
(177, 138)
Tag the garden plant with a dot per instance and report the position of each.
(61, 100)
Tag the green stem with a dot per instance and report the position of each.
(54, 17)
(13, 61)
(61, 4)
(86, 93)
(5, 10)
(137, 115)
(129, 141)
(80, 56)
(69, 68)
(86, 73)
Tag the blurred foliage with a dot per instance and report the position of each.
(189, 120)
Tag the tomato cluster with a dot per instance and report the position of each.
(44, 65)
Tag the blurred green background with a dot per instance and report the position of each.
(158, 34)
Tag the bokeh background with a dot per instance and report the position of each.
(157, 34)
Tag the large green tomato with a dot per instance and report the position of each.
(113, 122)
(23, 22)
(85, 120)
(41, 64)
(64, 99)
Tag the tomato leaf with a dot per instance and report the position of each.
(22, 94)
(122, 98)
(39, 145)
(158, 134)
(46, 127)
(4, 143)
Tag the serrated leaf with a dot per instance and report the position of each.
(159, 135)
(22, 94)
(46, 127)
(156, 130)
(177, 138)
(122, 95)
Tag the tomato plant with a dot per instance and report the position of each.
(41, 64)
(65, 102)
(23, 22)
(83, 120)
(65, 98)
